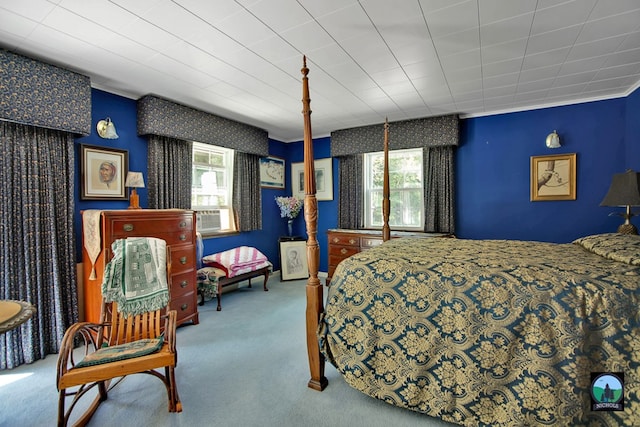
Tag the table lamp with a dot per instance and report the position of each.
(624, 192)
(134, 180)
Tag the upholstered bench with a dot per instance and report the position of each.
(230, 267)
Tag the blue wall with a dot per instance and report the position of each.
(492, 173)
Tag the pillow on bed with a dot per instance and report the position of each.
(618, 247)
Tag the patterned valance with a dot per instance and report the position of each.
(426, 132)
(158, 116)
(43, 95)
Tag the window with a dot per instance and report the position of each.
(405, 187)
(212, 188)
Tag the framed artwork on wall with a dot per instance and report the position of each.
(324, 179)
(102, 173)
(293, 260)
(272, 172)
(553, 177)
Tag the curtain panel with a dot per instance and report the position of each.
(247, 196)
(43, 95)
(157, 116)
(169, 173)
(350, 199)
(37, 242)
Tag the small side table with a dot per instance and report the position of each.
(14, 313)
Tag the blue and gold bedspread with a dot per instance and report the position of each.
(489, 332)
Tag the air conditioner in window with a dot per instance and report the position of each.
(208, 220)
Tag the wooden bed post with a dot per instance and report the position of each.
(315, 299)
(386, 204)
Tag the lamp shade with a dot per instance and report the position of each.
(624, 190)
(135, 180)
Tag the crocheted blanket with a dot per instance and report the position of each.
(136, 276)
(233, 262)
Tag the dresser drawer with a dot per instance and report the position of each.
(172, 230)
(341, 240)
(342, 251)
(182, 259)
(369, 242)
(182, 283)
(184, 305)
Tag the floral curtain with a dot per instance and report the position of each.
(350, 198)
(169, 168)
(439, 189)
(37, 238)
(247, 197)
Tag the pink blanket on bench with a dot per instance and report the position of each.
(238, 260)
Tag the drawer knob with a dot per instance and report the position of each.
(183, 260)
(183, 307)
(184, 284)
(336, 240)
(183, 224)
(127, 227)
(343, 251)
(352, 241)
(183, 237)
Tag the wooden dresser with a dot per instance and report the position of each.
(175, 226)
(343, 243)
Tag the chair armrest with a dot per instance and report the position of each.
(84, 333)
(170, 323)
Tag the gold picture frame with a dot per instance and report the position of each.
(553, 177)
(103, 171)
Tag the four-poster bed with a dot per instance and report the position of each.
(476, 332)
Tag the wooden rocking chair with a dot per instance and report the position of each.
(144, 343)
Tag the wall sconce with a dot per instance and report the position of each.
(624, 192)
(553, 140)
(134, 180)
(106, 129)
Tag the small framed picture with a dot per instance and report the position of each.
(272, 172)
(553, 177)
(324, 179)
(102, 173)
(293, 260)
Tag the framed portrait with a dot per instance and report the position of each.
(271, 172)
(553, 177)
(102, 173)
(293, 260)
(324, 179)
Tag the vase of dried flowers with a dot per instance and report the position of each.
(290, 207)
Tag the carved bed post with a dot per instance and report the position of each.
(386, 204)
(315, 299)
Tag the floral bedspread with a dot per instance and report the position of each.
(499, 333)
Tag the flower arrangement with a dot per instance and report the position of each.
(289, 206)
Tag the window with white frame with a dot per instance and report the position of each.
(212, 188)
(406, 188)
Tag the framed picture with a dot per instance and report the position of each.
(102, 173)
(553, 177)
(324, 179)
(272, 172)
(293, 260)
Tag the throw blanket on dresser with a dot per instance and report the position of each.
(136, 276)
(238, 260)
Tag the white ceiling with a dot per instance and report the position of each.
(368, 59)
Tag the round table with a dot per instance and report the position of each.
(14, 313)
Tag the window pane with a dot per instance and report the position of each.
(211, 188)
(406, 189)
